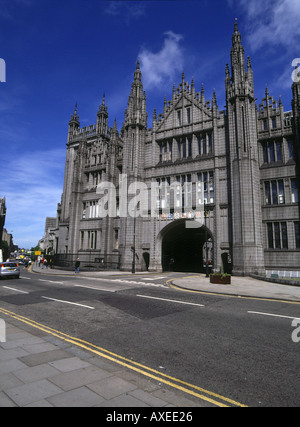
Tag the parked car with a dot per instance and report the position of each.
(9, 269)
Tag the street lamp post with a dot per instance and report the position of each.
(133, 247)
(206, 238)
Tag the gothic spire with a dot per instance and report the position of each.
(75, 117)
(102, 118)
(238, 69)
(137, 73)
(136, 110)
(240, 80)
(103, 107)
(114, 130)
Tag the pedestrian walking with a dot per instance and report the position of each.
(77, 265)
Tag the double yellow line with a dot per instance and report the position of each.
(190, 389)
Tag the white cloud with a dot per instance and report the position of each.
(271, 22)
(160, 67)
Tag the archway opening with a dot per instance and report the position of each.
(184, 248)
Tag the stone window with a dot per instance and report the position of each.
(290, 149)
(92, 239)
(179, 117)
(274, 192)
(277, 235)
(166, 150)
(205, 144)
(205, 188)
(272, 151)
(295, 190)
(188, 115)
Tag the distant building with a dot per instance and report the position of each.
(2, 216)
(8, 238)
(48, 241)
(222, 185)
(50, 223)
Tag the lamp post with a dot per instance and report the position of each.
(206, 238)
(133, 247)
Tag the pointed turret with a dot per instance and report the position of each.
(237, 54)
(74, 124)
(215, 104)
(138, 73)
(74, 117)
(202, 95)
(240, 82)
(136, 110)
(115, 129)
(102, 118)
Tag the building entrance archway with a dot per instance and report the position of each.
(184, 248)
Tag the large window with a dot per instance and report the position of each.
(181, 188)
(184, 148)
(163, 195)
(277, 235)
(290, 149)
(94, 209)
(205, 188)
(186, 184)
(205, 144)
(274, 191)
(295, 190)
(166, 150)
(272, 151)
(92, 239)
(188, 115)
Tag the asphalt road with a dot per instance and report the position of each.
(229, 346)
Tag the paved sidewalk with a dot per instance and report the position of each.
(60, 272)
(242, 286)
(38, 370)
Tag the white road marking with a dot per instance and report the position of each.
(17, 290)
(51, 281)
(96, 289)
(171, 300)
(132, 282)
(270, 314)
(69, 302)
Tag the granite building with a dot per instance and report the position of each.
(203, 186)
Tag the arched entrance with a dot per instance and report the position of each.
(184, 248)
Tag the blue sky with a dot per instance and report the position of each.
(61, 52)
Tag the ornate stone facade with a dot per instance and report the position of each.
(221, 186)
